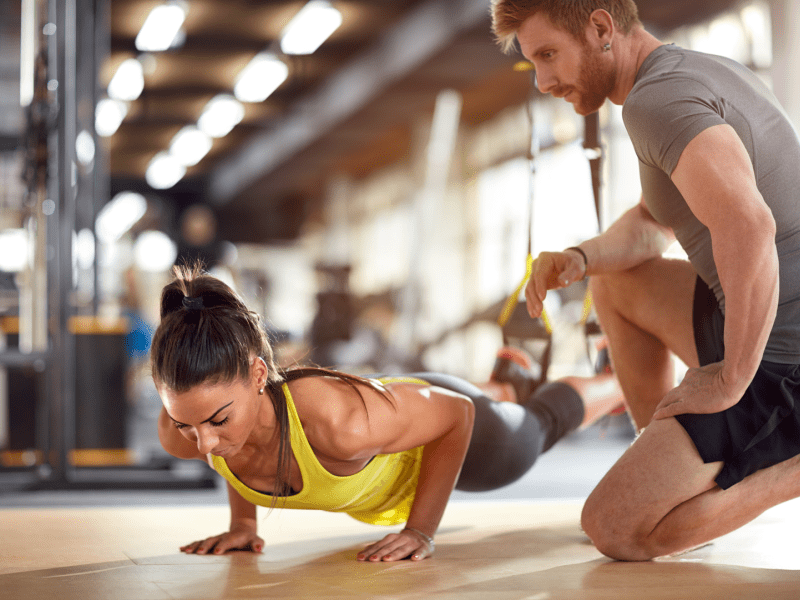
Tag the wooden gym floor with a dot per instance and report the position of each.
(500, 550)
(520, 542)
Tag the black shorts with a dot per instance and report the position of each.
(763, 428)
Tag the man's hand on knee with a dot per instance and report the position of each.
(702, 391)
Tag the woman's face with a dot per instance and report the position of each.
(219, 417)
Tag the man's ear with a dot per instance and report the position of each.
(601, 27)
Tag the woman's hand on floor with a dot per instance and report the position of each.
(397, 546)
(238, 538)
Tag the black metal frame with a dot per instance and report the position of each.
(72, 62)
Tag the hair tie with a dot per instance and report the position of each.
(193, 303)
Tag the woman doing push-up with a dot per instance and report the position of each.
(385, 451)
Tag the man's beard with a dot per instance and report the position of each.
(595, 84)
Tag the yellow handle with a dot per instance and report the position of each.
(511, 303)
(587, 306)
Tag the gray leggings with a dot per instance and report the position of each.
(507, 438)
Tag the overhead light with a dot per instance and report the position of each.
(221, 114)
(128, 81)
(314, 24)
(27, 51)
(164, 171)
(154, 251)
(190, 145)
(108, 116)
(119, 215)
(13, 250)
(161, 28)
(83, 248)
(84, 147)
(260, 78)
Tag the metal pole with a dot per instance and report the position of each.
(62, 368)
(594, 152)
(102, 45)
(33, 282)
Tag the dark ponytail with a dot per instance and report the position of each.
(206, 334)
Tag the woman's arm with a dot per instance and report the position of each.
(442, 460)
(414, 415)
(243, 530)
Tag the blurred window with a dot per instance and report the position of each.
(563, 214)
(745, 35)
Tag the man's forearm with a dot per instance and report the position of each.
(749, 278)
(631, 240)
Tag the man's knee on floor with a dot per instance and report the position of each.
(615, 538)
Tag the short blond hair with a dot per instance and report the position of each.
(570, 15)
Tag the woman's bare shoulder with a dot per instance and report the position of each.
(325, 398)
(336, 416)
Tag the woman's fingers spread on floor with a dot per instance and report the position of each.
(395, 547)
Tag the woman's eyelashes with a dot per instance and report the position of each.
(212, 423)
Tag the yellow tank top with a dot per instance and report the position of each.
(380, 494)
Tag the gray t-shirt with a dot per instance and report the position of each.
(677, 94)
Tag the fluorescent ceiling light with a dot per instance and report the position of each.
(190, 145)
(108, 116)
(119, 215)
(154, 252)
(128, 81)
(221, 114)
(161, 27)
(164, 171)
(260, 78)
(315, 22)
